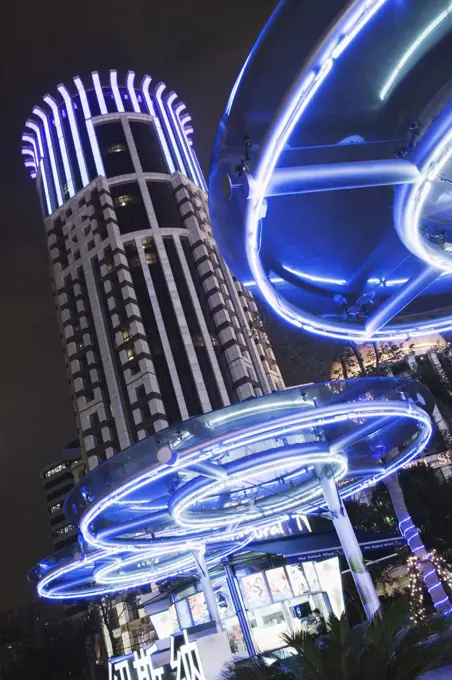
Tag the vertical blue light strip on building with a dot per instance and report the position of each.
(29, 152)
(33, 126)
(131, 90)
(75, 136)
(191, 168)
(56, 178)
(200, 177)
(61, 141)
(31, 140)
(115, 90)
(158, 127)
(99, 93)
(158, 93)
(90, 127)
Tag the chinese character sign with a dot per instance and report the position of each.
(185, 661)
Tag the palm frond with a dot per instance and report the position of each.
(309, 653)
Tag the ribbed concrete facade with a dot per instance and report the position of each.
(154, 326)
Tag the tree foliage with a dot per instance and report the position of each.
(389, 647)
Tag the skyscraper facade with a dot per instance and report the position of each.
(155, 327)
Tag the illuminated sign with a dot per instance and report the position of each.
(185, 662)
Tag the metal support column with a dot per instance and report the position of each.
(349, 542)
(237, 600)
(206, 585)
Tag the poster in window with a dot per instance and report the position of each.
(297, 579)
(311, 576)
(198, 608)
(174, 619)
(278, 584)
(255, 590)
(183, 613)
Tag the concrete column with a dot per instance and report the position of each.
(349, 542)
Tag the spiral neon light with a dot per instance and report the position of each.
(274, 443)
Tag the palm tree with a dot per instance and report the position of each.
(389, 647)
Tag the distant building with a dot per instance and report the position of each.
(23, 628)
(58, 479)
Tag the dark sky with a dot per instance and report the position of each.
(197, 48)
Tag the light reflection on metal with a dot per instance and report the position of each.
(412, 49)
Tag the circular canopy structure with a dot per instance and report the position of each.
(331, 178)
(207, 484)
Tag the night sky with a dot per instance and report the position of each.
(197, 48)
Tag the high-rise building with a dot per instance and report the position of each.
(58, 478)
(155, 328)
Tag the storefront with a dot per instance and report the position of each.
(277, 593)
(276, 599)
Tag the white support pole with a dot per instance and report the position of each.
(206, 585)
(349, 542)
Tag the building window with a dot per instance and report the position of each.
(148, 147)
(55, 508)
(64, 530)
(125, 199)
(131, 354)
(141, 392)
(151, 257)
(94, 420)
(114, 150)
(55, 470)
(130, 210)
(165, 205)
(117, 148)
(126, 334)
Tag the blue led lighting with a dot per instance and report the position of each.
(412, 49)
(351, 23)
(161, 87)
(115, 90)
(31, 140)
(131, 89)
(158, 127)
(182, 139)
(156, 543)
(99, 93)
(57, 151)
(61, 141)
(56, 179)
(185, 132)
(33, 126)
(75, 135)
(90, 127)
